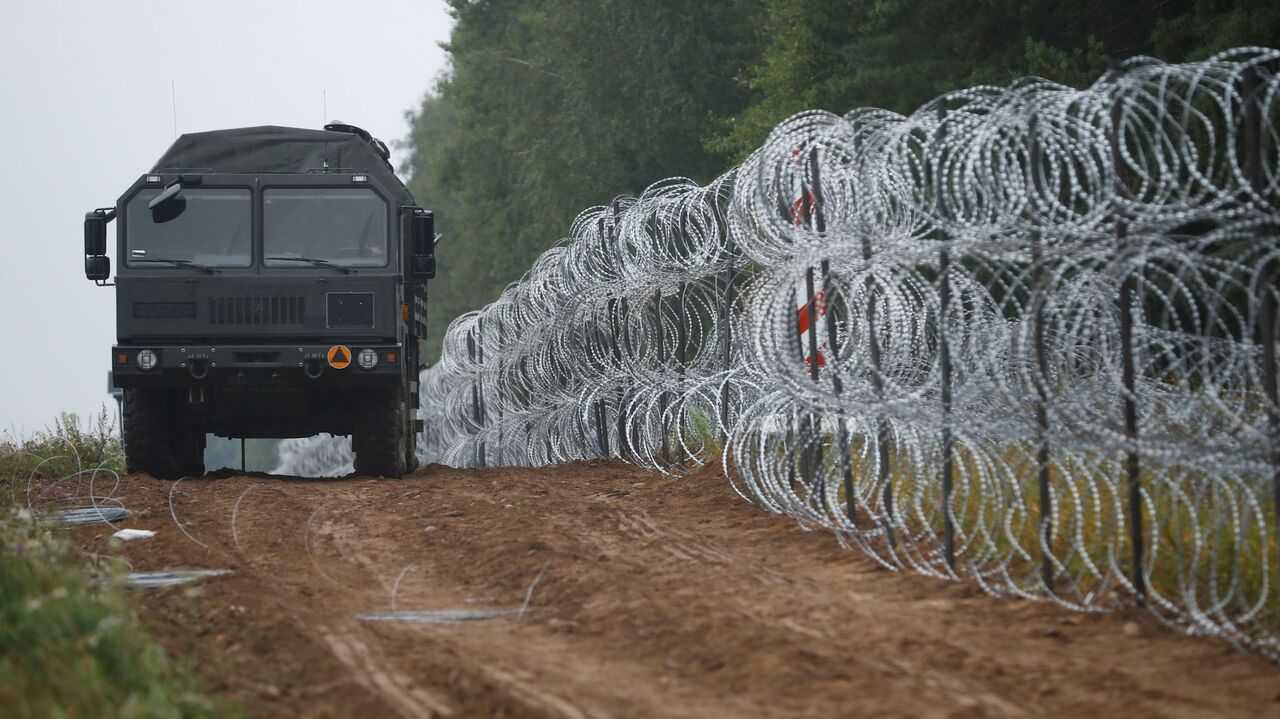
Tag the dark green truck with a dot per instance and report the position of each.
(270, 282)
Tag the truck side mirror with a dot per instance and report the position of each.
(97, 267)
(423, 234)
(424, 266)
(95, 231)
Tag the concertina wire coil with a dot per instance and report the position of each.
(1023, 336)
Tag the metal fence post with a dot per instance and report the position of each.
(1036, 157)
(618, 309)
(601, 408)
(788, 212)
(813, 460)
(793, 424)
(681, 332)
(726, 339)
(812, 467)
(681, 340)
(664, 399)
(811, 331)
(497, 390)
(944, 348)
(877, 383)
(833, 339)
(1128, 288)
(837, 386)
(476, 352)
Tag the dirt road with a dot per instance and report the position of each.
(654, 597)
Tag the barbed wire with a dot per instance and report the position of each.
(1023, 335)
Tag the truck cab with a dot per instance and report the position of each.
(270, 282)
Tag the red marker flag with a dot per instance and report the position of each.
(802, 322)
(802, 314)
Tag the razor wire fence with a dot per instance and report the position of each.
(1024, 336)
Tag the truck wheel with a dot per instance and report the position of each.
(154, 442)
(381, 442)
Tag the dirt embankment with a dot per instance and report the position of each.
(655, 597)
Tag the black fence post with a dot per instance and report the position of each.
(877, 383)
(787, 213)
(497, 390)
(1036, 158)
(726, 339)
(475, 399)
(812, 467)
(833, 338)
(601, 407)
(811, 331)
(681, 340)
(664, 399)
(944, 348)
(616, 320)
(793, 423)
(837, 385)
(618, 310)
(813, 460)
(681, 333)
(476, 352)
(1128, 288)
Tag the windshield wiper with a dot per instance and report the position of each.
(315, 261)
(176, 263)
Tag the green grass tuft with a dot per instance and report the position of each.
(67, 447)
(70, 646)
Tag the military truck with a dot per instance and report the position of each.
(270, 282)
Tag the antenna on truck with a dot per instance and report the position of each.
(324, 98)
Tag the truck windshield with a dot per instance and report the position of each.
(214, 230)
(343, 227)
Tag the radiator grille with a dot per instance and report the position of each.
(256, 310)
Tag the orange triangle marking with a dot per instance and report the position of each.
(339, 357)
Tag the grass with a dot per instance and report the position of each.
(61, 450)
(70, 645)
(703, 429)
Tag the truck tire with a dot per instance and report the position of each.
(380, 445)
(155, 442)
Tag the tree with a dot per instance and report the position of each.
(899, 54)
(552, 106)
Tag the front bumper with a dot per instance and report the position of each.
(302, 366)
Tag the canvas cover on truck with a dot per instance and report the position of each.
(251, 150)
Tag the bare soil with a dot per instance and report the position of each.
(658, 597)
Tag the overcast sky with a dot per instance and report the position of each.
(86, 107)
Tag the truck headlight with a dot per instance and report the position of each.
(147, 360)
(367, 359)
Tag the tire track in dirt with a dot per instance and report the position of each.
(411, 701)
(660, 597)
